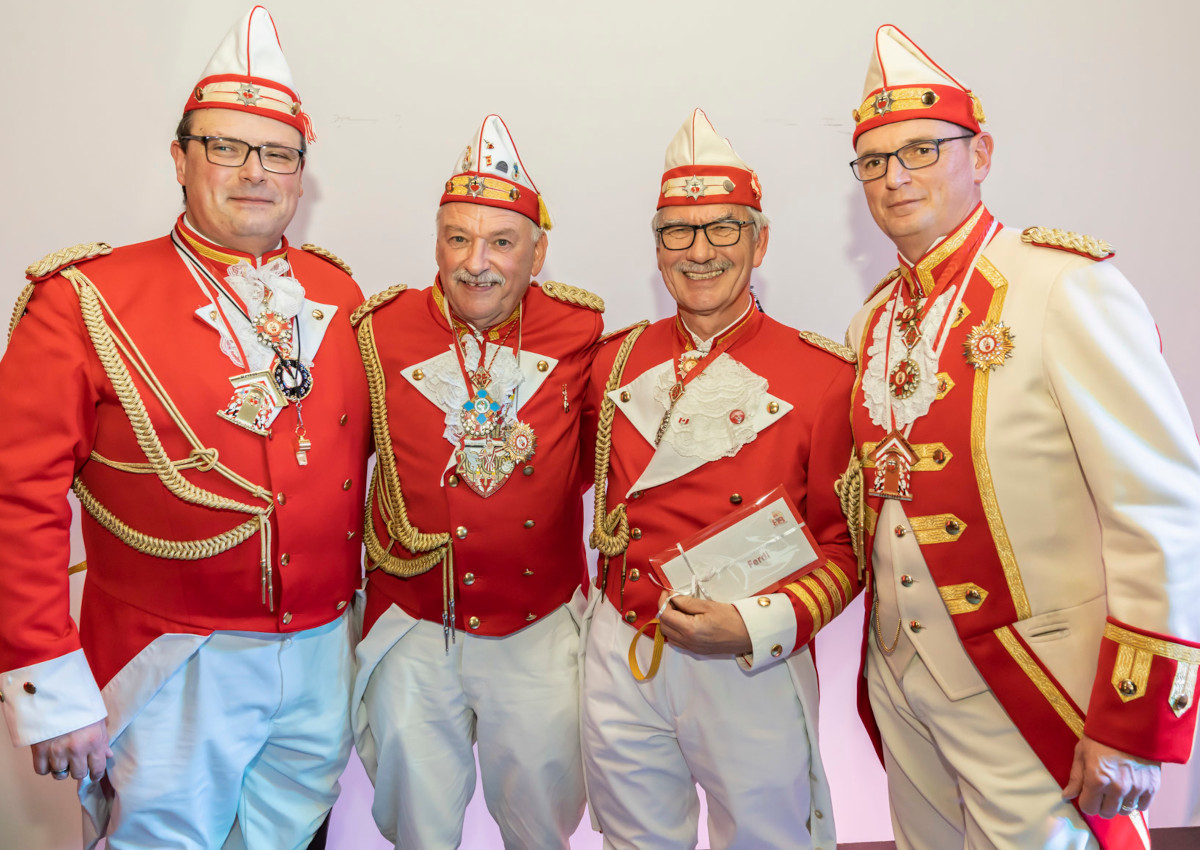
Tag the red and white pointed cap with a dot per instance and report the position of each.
(701, 167)
(248, 72)
(490, 172)
(903, 82)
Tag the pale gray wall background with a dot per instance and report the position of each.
(1093, 105)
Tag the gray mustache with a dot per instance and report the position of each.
(488, 277)
(717, 264)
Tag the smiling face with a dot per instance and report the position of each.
(710, 284)
(486, 257)
(245, 208)
(915, 208)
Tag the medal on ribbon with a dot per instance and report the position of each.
(491, 447)
(988, 345)
(893, 459)
(255, 403)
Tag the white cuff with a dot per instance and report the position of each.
(50, 698)
(772, 626)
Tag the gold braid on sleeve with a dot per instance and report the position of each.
(610, 531)
(849, 489)
(385, 490)
(576, 295)
(19, 308)
(376, 300)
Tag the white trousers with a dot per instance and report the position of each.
(517, 696)
(740, 734)
(960, 775)
(254, 727)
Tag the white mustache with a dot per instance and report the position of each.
(717, 264)
(488, 278)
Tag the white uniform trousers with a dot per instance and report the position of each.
(740, 734)
(960, 775)
(517, 696)
(253, 726)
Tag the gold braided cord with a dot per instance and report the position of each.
(849, 489)
(573, 295)
(55, 261)
(327, 255)
(610, 530)
(845, 352)
(19, 308)
(1078, 242)
(376, 300)
(201, 459)
(385, 483)
(158, 547)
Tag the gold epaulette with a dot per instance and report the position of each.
(614, 334)
(1065, 240)
(52, 263)
(376, 300)
(845, 352)
(326, 255)
(887, 278)
(573, 295)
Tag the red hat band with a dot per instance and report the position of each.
(945, 103)
(709, 184)
(492, 191)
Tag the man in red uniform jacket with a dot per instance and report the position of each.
(202, 395)
(1033, 483)
(475, 527)
(700, 415)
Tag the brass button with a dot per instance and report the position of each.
(350, 534)
(939, 456)
(347, 484)
(776, 651)
(818, 813)
(318, 315)
(452, 480)
(341, 605)
(469, 579)
(285, 559)
(635, 574)
(1180, 703)
(543, 366)
(952, 526)
(906, 580)
(735, 499)
(30, 688)
(929, 99)
(529, 618)
(900, 530)
(418, 375)
(281, 498)
(630, 616)
(974, 596)
(527, 572)
(287, 617)
(344, 419)
(527, 470)
(635, 533)
(1, 696)
(636, 494)
(1126, 686)
(764, 601)
(773, 407)
(461, 532)
(473, 622)
(915, 625)
(529, 523)
(213, 315)
(625, 396)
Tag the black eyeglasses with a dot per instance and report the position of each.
(233, 153)
(720, 234)
(912, 156)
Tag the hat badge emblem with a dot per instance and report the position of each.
(883, 102)
(248, 94)
(474, 187)
(694, 187)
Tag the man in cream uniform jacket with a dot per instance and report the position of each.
(1033, 484)
(163, 382)
(702, 414)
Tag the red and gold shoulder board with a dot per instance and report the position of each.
(374, 302)
(1065, 240)
(621, 333)
(824, 343)
(52, 263)
(327, 255)
(887, 278)
(573, 295)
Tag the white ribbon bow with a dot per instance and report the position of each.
(269, 285)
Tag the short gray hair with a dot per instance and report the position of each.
(757, 219)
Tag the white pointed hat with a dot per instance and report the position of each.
(490, 172)
(903, 82)
(249, 73)
(701, 167)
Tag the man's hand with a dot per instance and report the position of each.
(1109, 782)
(82, 752)
(703, 626)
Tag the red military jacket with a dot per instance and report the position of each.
(516, 555)
(803, 443)
(64, 422)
